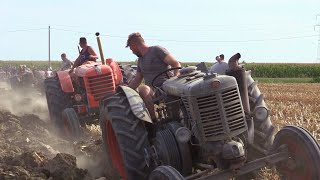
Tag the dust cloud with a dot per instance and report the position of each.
(23, 101)
(26, 133)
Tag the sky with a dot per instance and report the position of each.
(262, 31)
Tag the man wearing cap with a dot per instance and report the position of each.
(87, 54)
(152, 60)
(220, 67)
(66, 63)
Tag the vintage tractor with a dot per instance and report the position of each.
(208, 126)
(73, 99)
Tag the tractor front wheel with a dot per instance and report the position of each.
(71, 126)
(304, 154)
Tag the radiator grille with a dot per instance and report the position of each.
(218, 115)
(186, 105)
(233, 110)
(100, 85)
(210, 116)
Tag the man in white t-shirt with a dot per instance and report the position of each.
(220, 67)
(66, 63)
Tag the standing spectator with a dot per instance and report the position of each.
(66, 63)
(220, 67)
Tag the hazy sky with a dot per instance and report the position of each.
(192, 30)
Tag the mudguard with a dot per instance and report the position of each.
(137, 105)
(65, 81)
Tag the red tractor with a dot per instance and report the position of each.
(73, 99)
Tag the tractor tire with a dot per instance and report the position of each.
(71, 124)
(256, 100)
(108, 168)
(125, 138)
(57, 101)
(304, 154)
(165, 173)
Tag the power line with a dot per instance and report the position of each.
(68, 30)
(173, 40)
(25, 30)
(235, 41)
(196, 41)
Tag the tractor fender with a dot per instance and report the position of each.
(137, 105)
(65, 81)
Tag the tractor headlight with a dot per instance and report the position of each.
(78, 97)
(261, 113)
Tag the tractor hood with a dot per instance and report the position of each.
(92, 69)
(197, 83)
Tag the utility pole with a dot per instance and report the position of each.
(317, 28)
(49, 50)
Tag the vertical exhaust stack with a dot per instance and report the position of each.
(100, 48)
(239, 73)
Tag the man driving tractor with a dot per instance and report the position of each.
(152, 60)
(87, 54)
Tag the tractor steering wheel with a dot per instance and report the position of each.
(158, 75)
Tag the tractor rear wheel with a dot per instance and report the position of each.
(165, 173)
(57, 101)
(71, 125)
(125, 138)
(304, 154)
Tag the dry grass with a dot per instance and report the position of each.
(292, 104)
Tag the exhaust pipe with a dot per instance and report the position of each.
(100, 48)
(239, 73)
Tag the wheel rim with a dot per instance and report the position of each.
(299, 164)
(113, 146)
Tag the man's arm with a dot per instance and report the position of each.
(76, 62)
(170, 60)
(93, 56)
(136, 81)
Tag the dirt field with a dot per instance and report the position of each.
(30, 148)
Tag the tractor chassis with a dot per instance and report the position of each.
(280, 155)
